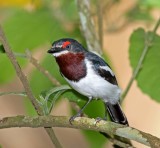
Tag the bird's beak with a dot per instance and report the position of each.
(51, 50)
(54, 50)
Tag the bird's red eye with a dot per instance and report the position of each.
(65, 44)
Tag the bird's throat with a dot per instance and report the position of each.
(72, 65)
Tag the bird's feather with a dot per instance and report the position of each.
(102, 68)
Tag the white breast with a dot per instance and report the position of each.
(95, 86)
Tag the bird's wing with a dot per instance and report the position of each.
(102, 68)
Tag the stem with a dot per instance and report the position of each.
(88, 26)
(110, 128)
(35, 62)
(25, 83)
(41, 69)
(13, 93)
(147, 46)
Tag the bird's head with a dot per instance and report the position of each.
(64, 46)
(70, 57)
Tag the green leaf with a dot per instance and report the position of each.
(139, 14)
(150, 3)
(2, 49)
(96, 140)
(148, 78)
(69, 12)
(6, 69)
(49, 97)
(26, 29)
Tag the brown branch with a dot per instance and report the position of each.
(107, 127)
(88, 27)
(36, 63)
(19, 72)
(41, 69)
(25, 83)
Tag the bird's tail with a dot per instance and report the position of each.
(117, 116)
(116, 113)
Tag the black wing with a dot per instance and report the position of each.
(99, 65)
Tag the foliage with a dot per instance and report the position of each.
(26, 29)
(149, 76)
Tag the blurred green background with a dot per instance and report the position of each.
(34, 25)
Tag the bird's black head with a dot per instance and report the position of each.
(64, 46)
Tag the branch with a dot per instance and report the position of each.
(148, 44)
(36, 63)
(13, 93)
(109, 128)
(18, 70)
(25, 83)
(88, 27)
(41, 69)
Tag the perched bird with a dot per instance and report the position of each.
(90, 75)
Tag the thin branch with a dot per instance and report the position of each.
(41, 69)
(88, 27)
(36, 63)
(147, 46)
(107, 127)
(19, 72)
(13, 93)
(25, 83)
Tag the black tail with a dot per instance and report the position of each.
(117, 116)
(116, 113)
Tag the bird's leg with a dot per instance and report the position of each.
(98, 119)
(106, 113)
(81, 111)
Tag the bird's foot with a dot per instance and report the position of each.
(98, 119)
(75, 116)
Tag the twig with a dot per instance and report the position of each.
(25, 83)
(88, 27)
(147, 46)
(18, 70)
(82, 123)
(35, 63)
(41, 69)
(13, 93)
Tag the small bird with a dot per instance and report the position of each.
(90, 75)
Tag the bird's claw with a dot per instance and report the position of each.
(98, 119)
(75, 116)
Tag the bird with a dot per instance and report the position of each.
(88, 74)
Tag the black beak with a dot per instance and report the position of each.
(54, 50)
(51, 51)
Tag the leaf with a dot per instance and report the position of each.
(70, 12)
(30, 29)
(49, 97)
(25, 30)
(150, 3)
(92, 135)
(148, 78)
(2, 49)
(137, 13)
(6, 69)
